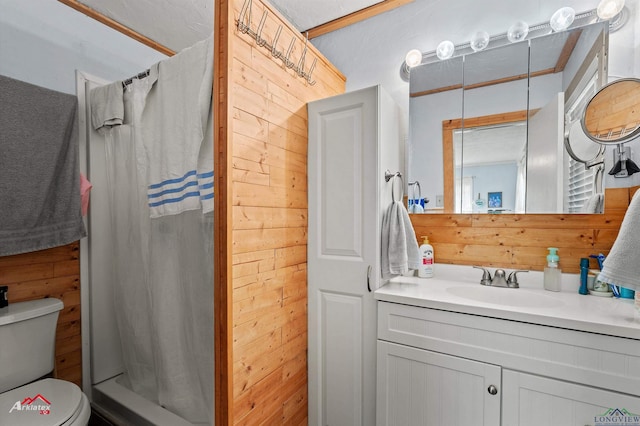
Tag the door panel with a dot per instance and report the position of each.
(342, 245)
(540, 401)
(417, 387)
(545, 158)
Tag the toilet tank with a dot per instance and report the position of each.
(27, 341)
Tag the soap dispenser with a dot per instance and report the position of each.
(552, 274)
(426, 259)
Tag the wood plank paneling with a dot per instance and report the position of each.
(267, 228)
(51, 273)
(222, 261)
(521, 241)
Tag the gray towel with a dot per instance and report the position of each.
(39, 170)
(622, 265)
(399, 244)
(107, 106)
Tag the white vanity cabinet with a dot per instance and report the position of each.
(438, 367)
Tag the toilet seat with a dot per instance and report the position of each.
(47, 402)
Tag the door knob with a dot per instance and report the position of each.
(492, 390)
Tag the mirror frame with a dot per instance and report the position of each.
(449, 127)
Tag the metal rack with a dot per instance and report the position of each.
(244, 26)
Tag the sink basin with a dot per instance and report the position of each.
(505, 296)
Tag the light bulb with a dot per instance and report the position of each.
(479, 41)
(607, 9)
(562, 19)
(413, 58)
(445, 50)
(518, 31)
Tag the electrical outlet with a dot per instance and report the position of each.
(439, 200)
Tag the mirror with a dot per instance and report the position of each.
(612, 116)
(487, 129)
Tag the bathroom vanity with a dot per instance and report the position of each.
(451, 351)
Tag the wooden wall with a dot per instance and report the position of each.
(520, 241)
(262, 143)
(51, 273)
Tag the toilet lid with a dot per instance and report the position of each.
(49, 402)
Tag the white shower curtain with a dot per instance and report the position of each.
(164, 281)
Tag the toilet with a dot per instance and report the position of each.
(27, 339)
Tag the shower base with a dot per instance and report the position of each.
(121, 405)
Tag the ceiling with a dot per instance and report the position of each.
(307, 14)
(192, 20)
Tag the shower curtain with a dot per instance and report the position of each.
(164, 280)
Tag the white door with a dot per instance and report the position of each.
(343, 243)
(540, 401)
(545, 146)
(102, 356)
(417, 387)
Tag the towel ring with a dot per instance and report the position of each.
(413, 186)
(412, 193)
(388, 176)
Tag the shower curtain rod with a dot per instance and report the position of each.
(139, 76)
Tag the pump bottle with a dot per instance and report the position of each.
(552, 274)
(426, 259)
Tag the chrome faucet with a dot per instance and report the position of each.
(499, 278)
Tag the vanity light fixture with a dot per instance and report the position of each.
(479, 41)
(562, 19)
(413, 58)
(518, 31)
(607, 9)
(615, 12)
(445, 50)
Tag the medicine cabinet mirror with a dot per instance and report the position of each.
(496, 121)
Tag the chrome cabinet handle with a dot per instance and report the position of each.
(492, 390)
(368, 276)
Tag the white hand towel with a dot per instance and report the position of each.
(399, 244)
(622, 265)
(107, 105)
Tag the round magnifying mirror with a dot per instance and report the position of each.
(612, 116)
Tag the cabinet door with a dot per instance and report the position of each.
(418, 387)
(342, 246)
(540, 401)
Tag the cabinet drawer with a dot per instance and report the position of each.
(597, 360)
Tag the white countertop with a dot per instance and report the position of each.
(457, 288)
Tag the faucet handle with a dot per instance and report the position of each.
(512, 281)
(486, 276)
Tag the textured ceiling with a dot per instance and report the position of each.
(177, 24)
(307, 14)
